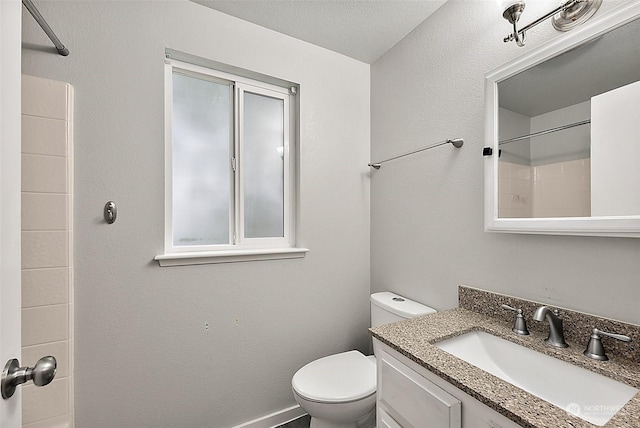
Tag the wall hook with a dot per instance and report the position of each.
(110, 212)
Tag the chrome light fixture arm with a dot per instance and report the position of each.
(518, 36)
(570, 14)
(512, 14)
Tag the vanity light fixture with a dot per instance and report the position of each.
(567, 16)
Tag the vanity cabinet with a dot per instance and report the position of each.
(410, 396)
(410, 400)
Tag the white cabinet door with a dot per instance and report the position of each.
(386, 421)
(412, 400)
(398, 407)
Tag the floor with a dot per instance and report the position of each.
(302, 422)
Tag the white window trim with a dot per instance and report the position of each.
(251, 249)
(229, 256)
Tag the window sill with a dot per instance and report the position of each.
(229, 256)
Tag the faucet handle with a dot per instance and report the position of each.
(614, 335)
(595, 349)
(519, 326)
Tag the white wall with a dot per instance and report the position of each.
(566, 145)
(427, 210)
(614, 124)
(512, 125)
(143, 355)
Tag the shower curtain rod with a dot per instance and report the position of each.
(33, 10)
(457, 143)
(547, 131)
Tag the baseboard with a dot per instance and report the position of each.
(275, 419)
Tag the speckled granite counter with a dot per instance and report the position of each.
(414, 339)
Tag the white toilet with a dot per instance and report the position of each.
(339, 391)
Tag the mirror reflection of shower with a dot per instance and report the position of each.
(557, 121)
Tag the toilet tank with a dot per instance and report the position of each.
(387, 307)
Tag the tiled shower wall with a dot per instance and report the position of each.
(561, 189)
(47, 271)
(515, 187)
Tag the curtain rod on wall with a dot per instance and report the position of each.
(33, 10)
(457, 143)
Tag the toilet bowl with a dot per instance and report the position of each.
(339, 391)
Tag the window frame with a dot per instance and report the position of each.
(239, 247)
(277, 242)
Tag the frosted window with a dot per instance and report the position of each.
(229, 169)
(263, 166)
(201, 161)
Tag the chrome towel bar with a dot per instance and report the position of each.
(457, 143)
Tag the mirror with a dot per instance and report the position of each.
(564, 125)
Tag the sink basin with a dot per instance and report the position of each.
(585, 394)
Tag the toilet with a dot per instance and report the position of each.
(339, 391)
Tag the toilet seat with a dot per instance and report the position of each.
(339, 378)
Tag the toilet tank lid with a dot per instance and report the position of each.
(399, 305)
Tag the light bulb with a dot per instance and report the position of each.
(506, 4)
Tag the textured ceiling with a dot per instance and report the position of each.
(361, 29)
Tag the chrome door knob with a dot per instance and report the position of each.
(13, 375)
(44, 371)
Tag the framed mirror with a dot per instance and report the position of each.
(563, 127)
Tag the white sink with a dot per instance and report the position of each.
(587, 395)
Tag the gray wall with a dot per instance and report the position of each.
(143, 356)
(427, 210)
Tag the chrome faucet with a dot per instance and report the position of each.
(556, 334)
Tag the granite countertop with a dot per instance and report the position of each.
(414, 338)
